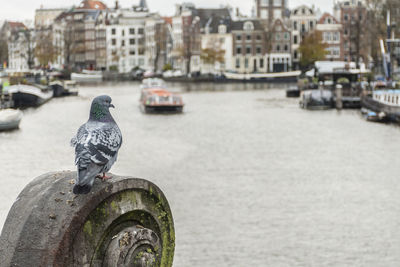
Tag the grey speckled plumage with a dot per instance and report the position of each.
(96, 144)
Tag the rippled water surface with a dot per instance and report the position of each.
(252, 180)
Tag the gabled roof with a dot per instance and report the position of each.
(167, 20)
(15, 24)
(325, 16)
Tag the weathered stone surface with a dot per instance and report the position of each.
(122, 222)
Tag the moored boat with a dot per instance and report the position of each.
(10, 119)
(316, 99)
(24, 95)
(63, 88)
(289, 76)
(87, 76)
(384, 102)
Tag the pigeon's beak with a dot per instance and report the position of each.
(112, 106)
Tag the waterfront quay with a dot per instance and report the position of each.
(251, 179)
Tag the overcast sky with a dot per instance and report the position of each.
(25, 9)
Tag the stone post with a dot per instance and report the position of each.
(122, 222)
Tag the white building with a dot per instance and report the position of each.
(219, 40)
(303, 20)
(186, 39)
(126, 40)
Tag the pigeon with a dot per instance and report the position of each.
(96, 145)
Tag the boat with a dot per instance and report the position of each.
(152, 83)
(24, 95)
(288, 76)
(9, 119)
(373, 116)
(87, 76)
(293, 91)
(384, 102)
(333, 73)
(63, 88)
(319, 99)
(155, 97)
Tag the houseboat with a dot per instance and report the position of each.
(384, 102)
(87, 76)
(24, 95)
(317, 99)
(289, 76)
(345, 74)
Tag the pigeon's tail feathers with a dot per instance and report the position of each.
(86, 177)
(81, 189)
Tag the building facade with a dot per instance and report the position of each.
(354, 42)
(303, 20)
(331, 31)
(126, 47)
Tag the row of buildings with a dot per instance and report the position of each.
(94, 36)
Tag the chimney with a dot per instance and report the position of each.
(116, 4)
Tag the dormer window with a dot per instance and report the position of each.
(248, 26)
(222, 29)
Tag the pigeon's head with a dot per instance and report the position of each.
(100, 107)
(103, 101)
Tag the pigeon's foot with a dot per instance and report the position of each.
(104, 177)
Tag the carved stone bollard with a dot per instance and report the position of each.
(122, 222)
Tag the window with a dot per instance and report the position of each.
(295, 25)
(261, 63)
(286, 36)
(277, 2)
(141, 50)
(346, 17)
(238, 63)
(277, 36)
(141, 31)
(248, 37)
(132, 31)
(258, 37)
(248, 49)
(346, 32)
(238, 50)
(278, 48)
(264, 13)
(141, 61)
(113, 41)
(123, 43)
(264, 2)
(222, 28)
(123, 33)
(277, 14)
(132, 52)
(295, 54)
(113, 31)
(248, 26)
(258, 49)
(295, 39)
(131, 41)
(286, 48)
(246, 63)
(238, 37)
(311, 25)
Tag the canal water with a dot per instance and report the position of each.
(252, 179)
